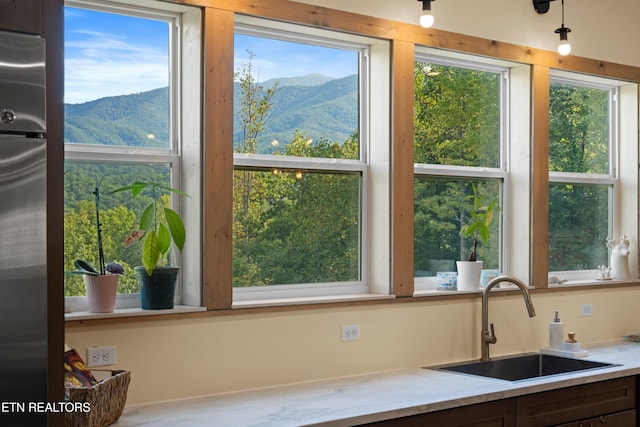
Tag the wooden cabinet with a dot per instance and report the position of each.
(576, 403)
(610, 403)
(20, 15)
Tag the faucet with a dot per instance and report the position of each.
(488, 333)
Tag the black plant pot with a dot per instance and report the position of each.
(157, 290)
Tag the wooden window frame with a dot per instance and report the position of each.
(218, 119)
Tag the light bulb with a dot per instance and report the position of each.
(564, 48)
(426, 19)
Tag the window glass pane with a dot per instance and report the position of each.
(456, 116)
(578, 226)
(441, 207)
(578, 129)
(293, 226)
(286, 91)
(116, 79)
(119, 216)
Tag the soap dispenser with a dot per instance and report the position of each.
(556, 332)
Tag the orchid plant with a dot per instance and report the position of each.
(85, 267)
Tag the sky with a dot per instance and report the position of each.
(109, 55)
(277, 58)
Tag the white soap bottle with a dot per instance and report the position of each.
(556, 332)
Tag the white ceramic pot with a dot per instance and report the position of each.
(101, 292)
(469, 275)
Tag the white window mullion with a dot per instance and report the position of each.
(76, 153)
(569, 177)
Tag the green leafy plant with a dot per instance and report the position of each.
(159, 225)
(85, 267)
(478, 226)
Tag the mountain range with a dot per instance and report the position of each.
(317, 106)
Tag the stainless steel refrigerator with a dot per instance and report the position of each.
(23, 264)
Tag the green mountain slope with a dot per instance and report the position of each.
(329, 110)
(137, 120)
(315, 105)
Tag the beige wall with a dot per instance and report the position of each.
(171, 359)
(191, 357)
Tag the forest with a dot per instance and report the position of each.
(293, 226)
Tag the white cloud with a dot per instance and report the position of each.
(99, 65)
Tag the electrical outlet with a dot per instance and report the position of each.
(351, 333)
(101, 356)
(586, 310)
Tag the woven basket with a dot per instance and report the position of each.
(107, 399)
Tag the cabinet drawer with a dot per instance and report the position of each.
(576, 403)
(20, 15)
(500, 413)
(619, 419)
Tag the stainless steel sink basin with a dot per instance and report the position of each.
(524, 367)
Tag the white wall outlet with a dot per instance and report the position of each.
(586, 310)
(101, 356)
(351, 333)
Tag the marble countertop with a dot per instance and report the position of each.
(369, 398)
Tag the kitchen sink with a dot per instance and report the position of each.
(524, 367)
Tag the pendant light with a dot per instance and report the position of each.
(426, 18)
(542, 6)
(564, 48)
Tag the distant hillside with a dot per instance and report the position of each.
(315, 105)
(138, 120)
(313, 79)
(327, 110)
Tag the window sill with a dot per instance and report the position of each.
(434, 292)
(592, 282)
(308, 300)
(572, 284)
(131, 312)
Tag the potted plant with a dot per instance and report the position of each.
(159, 228)
(101, 283)
(478, 228)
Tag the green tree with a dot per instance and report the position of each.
(578, 129)
(255, 106)
(248, 188)
(456, 116)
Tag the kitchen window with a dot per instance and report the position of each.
(132, 102)
(460, 146)
(301, 185)
(583, 174)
